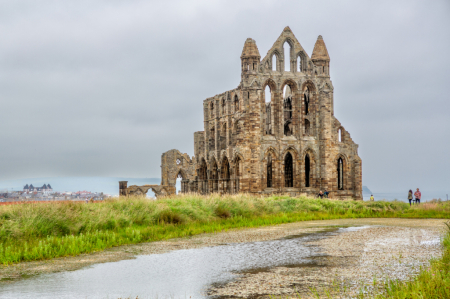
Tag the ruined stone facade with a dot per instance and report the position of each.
(288, 142)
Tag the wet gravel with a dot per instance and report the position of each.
(352, 258)
(352, 261)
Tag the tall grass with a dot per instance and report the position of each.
(46, 230)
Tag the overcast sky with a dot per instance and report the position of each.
(103, 88)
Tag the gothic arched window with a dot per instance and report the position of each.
(288, 171)
(306, 101)
(340, 171)
(299, 63)
(288, 108)
(307, 170)
(268, 116)
(287, 57)
(269, 171)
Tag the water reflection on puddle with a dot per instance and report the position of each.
(176, 274)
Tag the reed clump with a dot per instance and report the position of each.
(47, 230)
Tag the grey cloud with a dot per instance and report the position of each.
(102, 88)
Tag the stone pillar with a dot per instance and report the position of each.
(123, 185)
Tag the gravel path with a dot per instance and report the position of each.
(394, 248)
(352, 260)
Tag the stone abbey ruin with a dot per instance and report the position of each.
(275, 133)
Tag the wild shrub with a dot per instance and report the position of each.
(169, 216)
(222, 212)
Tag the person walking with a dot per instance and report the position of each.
(372, 198)
(417, 195)
(410, 196)
(320, 195)
(326, 193)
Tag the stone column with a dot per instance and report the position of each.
(123, 188)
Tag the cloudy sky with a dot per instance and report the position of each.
(102, 88)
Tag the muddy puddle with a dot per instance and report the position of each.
(188, 273)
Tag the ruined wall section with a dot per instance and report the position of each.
(345, 147)
(174, 164)
(226, 134)
(199, 144)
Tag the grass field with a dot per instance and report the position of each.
(48, 230)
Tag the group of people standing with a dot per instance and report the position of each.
(417, 196)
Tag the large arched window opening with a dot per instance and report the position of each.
(288, 108)
(340, 171)
(236, 103)
(287, 57)
(267, 94)
(307, 171)
(299, 63)
(268, 116)
(274, 62)
(288, 171)
(269, 171)
(287, 111)
(306, 97)
(180, 184)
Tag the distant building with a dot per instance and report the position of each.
(84, 192)
(30, 188)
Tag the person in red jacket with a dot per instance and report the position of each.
(417, 195)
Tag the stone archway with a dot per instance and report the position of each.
(142, 190)
(184, 183)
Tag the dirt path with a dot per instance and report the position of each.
(389, 247)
